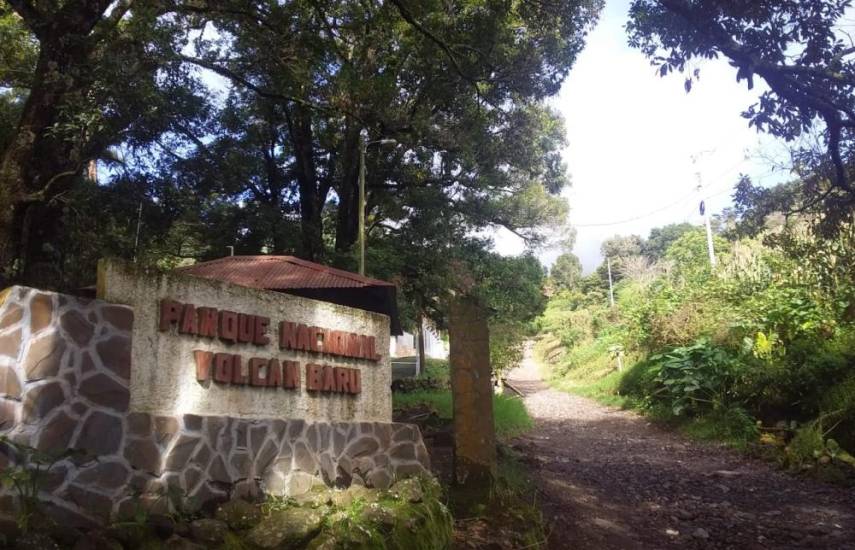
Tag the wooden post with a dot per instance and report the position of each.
(472, 394)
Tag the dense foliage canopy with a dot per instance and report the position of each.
(239, 124)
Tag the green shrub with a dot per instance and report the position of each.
(437, 369)
(694, 378)
(768, 334)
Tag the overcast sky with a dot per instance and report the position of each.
(631, 137)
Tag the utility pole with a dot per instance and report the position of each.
(362, 147)
(611, 288)
(710, 247)
(139, 223)
(703, 211)
(364, 144)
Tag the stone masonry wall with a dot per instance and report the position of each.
(65, 366)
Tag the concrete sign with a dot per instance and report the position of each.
(303, 393)
(208, 347)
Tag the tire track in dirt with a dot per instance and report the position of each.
(608, 479)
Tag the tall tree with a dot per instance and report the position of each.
(458, 89)
(97, 76)
(802, 52)
(660, 239)
(566, 271)
(617, 250)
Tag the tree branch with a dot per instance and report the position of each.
(246, 83)
(31, 15)
(110, 22)
(40, 195)
(449, 53)
(779, 81)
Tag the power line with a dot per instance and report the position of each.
(635, 218)
(663, 208)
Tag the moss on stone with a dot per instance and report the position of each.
(239, 514)
(410, 515)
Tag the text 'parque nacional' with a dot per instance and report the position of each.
(232, 327)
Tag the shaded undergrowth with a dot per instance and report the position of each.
(509, 515)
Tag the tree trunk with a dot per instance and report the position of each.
(472, 395)
(9, 213)
(37, 166)
(347, 222)
(311, 205)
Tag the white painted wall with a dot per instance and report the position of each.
(163, 377)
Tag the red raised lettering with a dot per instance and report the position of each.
(314, 377)
(342, 380)
(363, 347)
(170, 313)
(256, 364)
(355, 381)
(223, 367)
(326, 340)
(287, 335)
(303, 338)
(239, 375)
(329, 379)
(246, 328)
(203, 364)
(334, 346)
(207, 322)
(315, 336)
(228, 326)
(188, 320)
(372, 354)
(352, 345)
(274, 373)
(259, 334)
(290, 374)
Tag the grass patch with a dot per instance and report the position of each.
(604, 390)
(438, 400)
(509, 413)
(510, 515)
(392, 521)
(512, 495)
(733, 427)
(588, 370)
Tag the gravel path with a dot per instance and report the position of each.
(608, 479)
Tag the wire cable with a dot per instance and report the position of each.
(666, 207)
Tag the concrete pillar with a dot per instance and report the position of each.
(472, 392)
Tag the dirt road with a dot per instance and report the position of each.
(608, 479)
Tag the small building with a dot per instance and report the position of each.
(306, 279)
(406, 344)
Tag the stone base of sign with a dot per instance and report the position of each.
(65, 368)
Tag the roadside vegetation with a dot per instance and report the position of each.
(757, 352)
(510, 517)
(432, 391)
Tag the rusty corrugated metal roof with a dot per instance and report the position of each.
(278, 273)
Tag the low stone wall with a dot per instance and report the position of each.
(65, 368)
